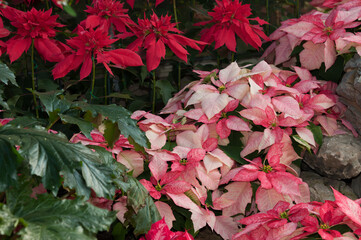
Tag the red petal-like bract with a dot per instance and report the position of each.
(230, 18)
(156, 33)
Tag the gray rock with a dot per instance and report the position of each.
(338, 158)
(320, 187)
(356, 185)
(349, 91)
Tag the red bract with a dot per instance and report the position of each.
(160, 231)
(230, 18)
(105, 13)
(156, 33)
(37, 26)
(93, 44)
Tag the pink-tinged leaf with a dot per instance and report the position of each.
(149, 186)
(132, 160)
(261, 232)
(252, 143)
(38, 190)
(230, 73)
(257, 115)
(157, 140)
(349, 127)
(214, 103)
(238, 192)
(196, 154)
(225, 226)
(348, 206)
(328, 124)
(189, 139)
(237, 89)
(321, 102)
(285, 183)
(303, 73)
(299, 29)
(306, 86)
(222, 157)
(158, 231)
(237, 124)
(330, 53)
(222, 129)
(208, 179)
(158, 168)
(210, 144)
(289, 154)
(312, 56)
(266, 199)
(287, 105)
(283, 51)
(201, 217)
(211, 162)
(269, 137)
(121, 208)
(165, 212)
(282, 231)
(306, 135)
(304, 194)
(183, 201)
(177, 187)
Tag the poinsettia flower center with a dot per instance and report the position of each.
(224, 115)
(221, 88)
(300, 104)
(328, 30)
(183, 161)
(267, 168)
(324, 226)
(274, 124)
(284, 215)
(158, 187)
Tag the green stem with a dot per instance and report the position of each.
(232, 57)
(105, 88)
(175, 14)
(33, 79)
(153, 100)
(47, 4)
(297, 8)
(93, 80)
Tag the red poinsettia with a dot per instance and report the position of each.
(154, 33)
(92, 44)
(37, 26)
(105, 13)
(230, 18)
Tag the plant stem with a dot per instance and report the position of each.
(105, 88)
(154, 95)
(297, 8)
(93, 80)
(47, 4)
(232, 57)
(33, 79)
(175, 13)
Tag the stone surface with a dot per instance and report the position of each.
(349, 91)
(320, 189)
(338, 158)
(356, 185)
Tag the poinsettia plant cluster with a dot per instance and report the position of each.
(322, 35)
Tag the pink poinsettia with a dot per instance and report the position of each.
(160, 231)
(230, 18)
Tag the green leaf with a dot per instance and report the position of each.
(302, 142)
(47, 216)
(234, 148)
(142, 204)
(121, 116)
(7, 221)
(2, 102)
(27, 122)
(51, 155)
(69, 10)
(84, 126)
(111, 133)
(119, 95)
(53, 102)
(317, 133)
(6, 75)
(9, 158)
(166, 89)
